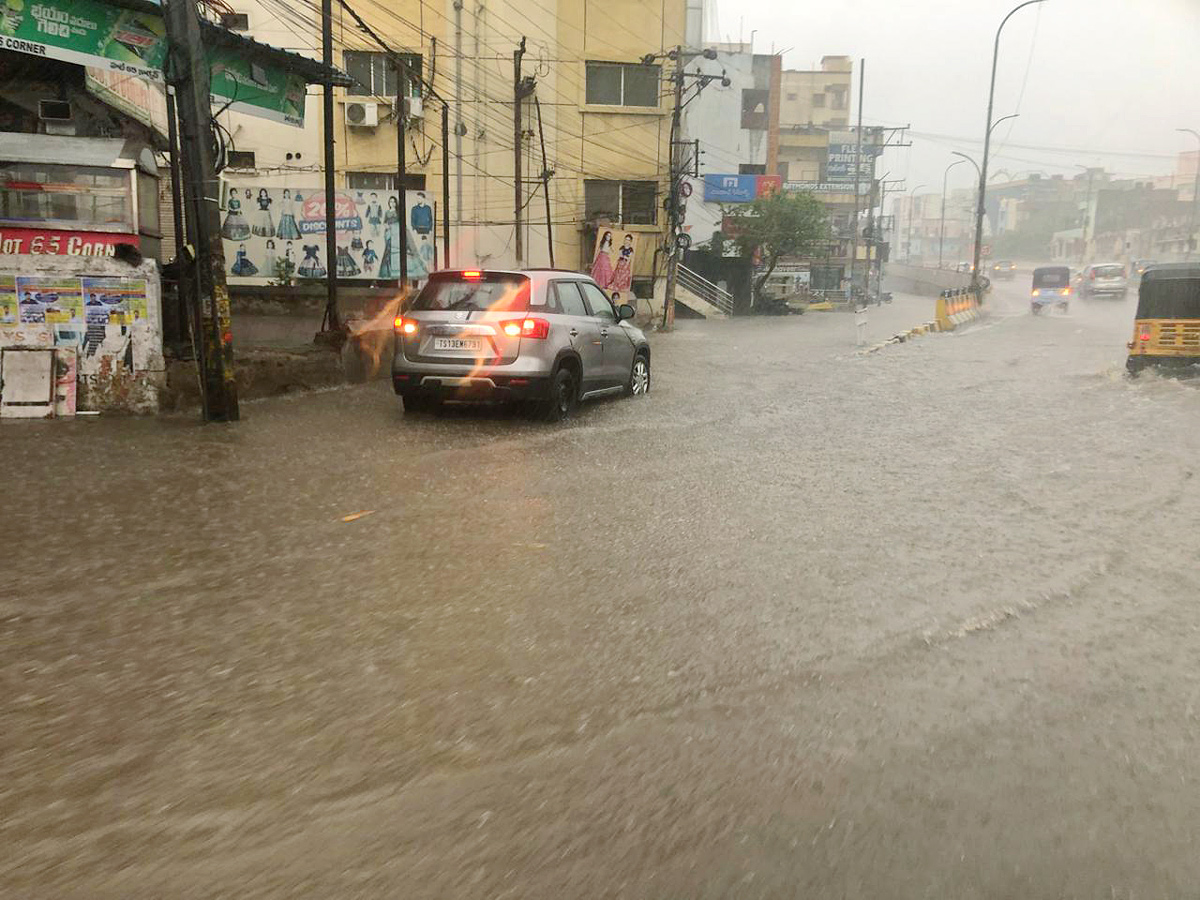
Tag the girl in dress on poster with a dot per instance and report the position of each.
(242, 267)
(263, 226)
(269, 259)
(346, 266)
(390, 267)
(310, 266)
(622, 277)
(356, 242)
(287, 230)
(602, 272)
(289, 262)
(370, 257)
(236, 228)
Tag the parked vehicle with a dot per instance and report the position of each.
(1166, 326)
(1004, 270)
(540, 337)
(1103, 280)
(1051, 288)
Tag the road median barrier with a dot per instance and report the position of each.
(954, 308)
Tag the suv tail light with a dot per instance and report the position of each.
(1145, 335)
(406, 326)
(528, 327)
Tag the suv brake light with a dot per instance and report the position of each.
(406, 326)
(528, 327)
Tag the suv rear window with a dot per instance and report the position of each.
(1110, 271)
(488, 292)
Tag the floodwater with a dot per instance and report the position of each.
(801, 623)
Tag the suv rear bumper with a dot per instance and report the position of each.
(471, 387)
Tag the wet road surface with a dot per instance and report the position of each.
(801, 623)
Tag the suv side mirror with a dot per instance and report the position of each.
(625, 311)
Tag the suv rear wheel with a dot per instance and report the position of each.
(562, 399)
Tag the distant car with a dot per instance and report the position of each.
(1103, 280)
(1004, 269)
(544, 338)
(965, 267)
(1138, 268)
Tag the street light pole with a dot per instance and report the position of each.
(987, 146)
(979, 174)
(1087, 213)
(1187, 251)
(942, 227)
(912, 200)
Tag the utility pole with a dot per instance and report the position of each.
(546, 175)
(332, 321)
(190, 79)
(668, 319)
(1087, 214)
(446, 183)
(862, 75)
(459, 127)
(517, 204)
(401, 168)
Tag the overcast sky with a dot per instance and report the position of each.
(1110, 80)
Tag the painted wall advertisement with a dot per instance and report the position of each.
(278, 234)
(90, 33)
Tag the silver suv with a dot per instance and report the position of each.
(541, 337)
(1103, 280)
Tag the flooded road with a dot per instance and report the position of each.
(800, 623)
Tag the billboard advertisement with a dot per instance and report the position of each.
(274, 234)
(134, 44)
(843, 148)
(739, 188)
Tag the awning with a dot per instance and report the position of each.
(103, 153)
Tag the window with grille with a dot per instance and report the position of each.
(627, 202)
(622, 84)
(374, 74)
(382, 181)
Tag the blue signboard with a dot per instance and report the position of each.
(730, 188)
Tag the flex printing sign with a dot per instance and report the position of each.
(843, 149)
(739, 188)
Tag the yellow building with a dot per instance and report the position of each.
(603, 114)
(819, 97)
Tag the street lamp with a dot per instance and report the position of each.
(1187, 250)
(912, 201)
(987, 146)
(1087, 213)
(942, 227)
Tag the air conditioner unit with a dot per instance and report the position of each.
(362, 114)
(413, 107)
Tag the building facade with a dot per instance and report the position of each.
(594, 126)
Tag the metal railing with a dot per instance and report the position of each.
(707, 291)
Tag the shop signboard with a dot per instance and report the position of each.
(51, 242)
(739, 188)
(134, 44)
(843, 149)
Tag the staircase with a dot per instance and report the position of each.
(700, 295)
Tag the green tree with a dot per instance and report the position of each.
(782, 224)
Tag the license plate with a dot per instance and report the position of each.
(472, 344)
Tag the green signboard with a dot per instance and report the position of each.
(86, 33)
(89, 33)
(244, 85)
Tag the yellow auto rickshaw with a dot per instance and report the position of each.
(1166, 329)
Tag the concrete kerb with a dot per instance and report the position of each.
(954, 308)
